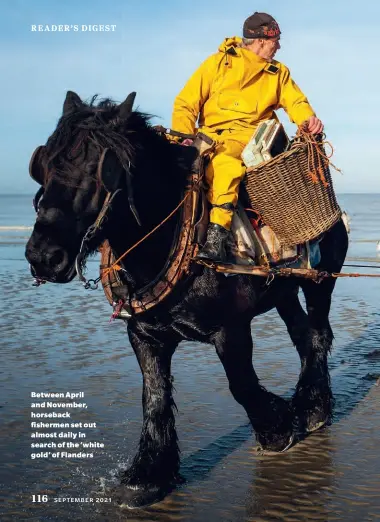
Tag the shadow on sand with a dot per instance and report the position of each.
(351, 379)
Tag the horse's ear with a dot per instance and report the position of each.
(125, 108)
(110, 170)
(36, 170)
(71, 103)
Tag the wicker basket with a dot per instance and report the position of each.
(294, 193)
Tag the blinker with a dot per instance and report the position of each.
(35, 170)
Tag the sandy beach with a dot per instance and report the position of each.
(58, 338)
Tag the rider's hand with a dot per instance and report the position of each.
(187, 142)
(314, 125)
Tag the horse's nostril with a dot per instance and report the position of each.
(57, 258)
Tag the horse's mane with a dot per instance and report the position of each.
(100, 124)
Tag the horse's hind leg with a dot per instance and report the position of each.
(312, 336)
(312, 339)
(156, 465)
(297, 323)
(270, 415)
(313, 398)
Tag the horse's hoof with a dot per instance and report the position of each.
(289, 445)
(134, 497)
(276, 444)
(314, 425)
(313, 408)
(316, 419)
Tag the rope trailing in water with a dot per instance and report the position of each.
(343, 274)
(271, 273)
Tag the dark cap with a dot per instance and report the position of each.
(261, 25)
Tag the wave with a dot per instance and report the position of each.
(363, 240)
(15, 227)
(13, 241)
(363, 259)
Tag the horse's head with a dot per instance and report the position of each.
(87, 157)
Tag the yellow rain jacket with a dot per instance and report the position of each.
(233, 91)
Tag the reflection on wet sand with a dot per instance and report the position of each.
(325, 477)
(294, 486)
(332, 475)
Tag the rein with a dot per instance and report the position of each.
(115, 265)
(97, 225)
(92, 284)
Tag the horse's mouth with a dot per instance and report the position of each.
(66, 277)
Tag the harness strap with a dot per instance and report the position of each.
(164, 130)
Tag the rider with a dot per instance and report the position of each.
(229, 95)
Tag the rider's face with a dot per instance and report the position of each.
(268, 48)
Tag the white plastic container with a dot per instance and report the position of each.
(251, 154)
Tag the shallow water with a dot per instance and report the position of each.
(58, 338)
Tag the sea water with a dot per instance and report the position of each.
(58, 338)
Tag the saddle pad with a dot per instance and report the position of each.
(258, 245)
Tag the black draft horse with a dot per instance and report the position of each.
(210, 308)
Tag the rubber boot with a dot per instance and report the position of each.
(215, 247)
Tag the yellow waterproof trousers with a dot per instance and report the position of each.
(224, 174)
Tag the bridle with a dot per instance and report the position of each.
(97, 226)
(37, 198)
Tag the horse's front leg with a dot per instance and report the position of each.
(155, 467)
(270, 415)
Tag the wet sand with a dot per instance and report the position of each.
(333, 475)
(62, 341)
(57, 338)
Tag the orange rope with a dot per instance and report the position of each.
(317, 163)
(115, 265)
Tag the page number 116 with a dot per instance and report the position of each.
(39, 498)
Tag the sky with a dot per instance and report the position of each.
(331, 48)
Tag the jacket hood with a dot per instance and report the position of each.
(229, 43)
